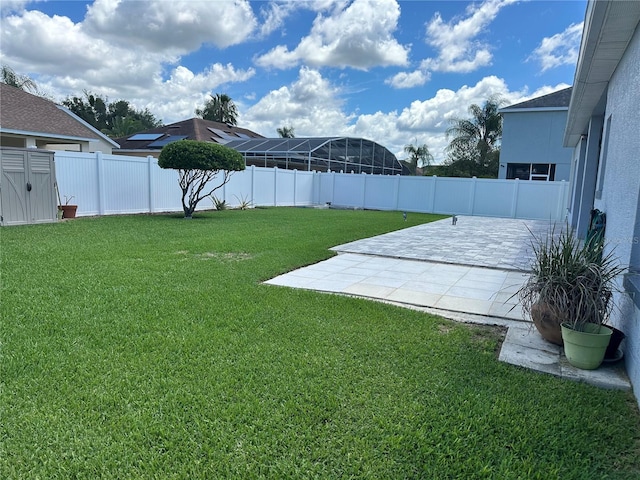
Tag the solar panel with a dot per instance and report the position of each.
(164, 141)
(222, 133)
(146, 136)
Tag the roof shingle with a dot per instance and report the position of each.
(558, 99)
(23, 112)
(191, 129)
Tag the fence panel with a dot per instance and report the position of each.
(453, 196)
(380, 192)
(325, 183)
(112, 184)
(539, 200)
(238, 189)
(493, 198)
(126, 179)
(416, 194)
(77, 177)
(348, 190)
(165, 192)
(304, 188)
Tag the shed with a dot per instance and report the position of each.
(27, 186)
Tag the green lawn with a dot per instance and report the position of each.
(148, 347)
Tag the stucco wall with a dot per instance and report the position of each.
(621, 187)
(535, 137)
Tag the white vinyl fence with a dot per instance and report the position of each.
(116, 184)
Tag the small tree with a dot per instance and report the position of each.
(197, 164)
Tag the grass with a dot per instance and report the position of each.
(147, 347)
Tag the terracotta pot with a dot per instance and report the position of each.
(547, 323)
(68, 211)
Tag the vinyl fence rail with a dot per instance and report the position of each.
(103, 184)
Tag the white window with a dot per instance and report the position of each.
(531, 171)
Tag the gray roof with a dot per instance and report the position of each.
(191, 129)
(559, 99)
(27, 114)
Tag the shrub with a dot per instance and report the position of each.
(197, 164)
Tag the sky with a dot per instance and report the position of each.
(396, 72)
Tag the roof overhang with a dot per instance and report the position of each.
(608, 28)
(47, 136)
(533, 109)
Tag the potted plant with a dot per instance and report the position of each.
(569, 295)
(68, 211)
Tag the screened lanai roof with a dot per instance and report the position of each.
(346, 154)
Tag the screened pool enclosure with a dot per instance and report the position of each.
(321, 154)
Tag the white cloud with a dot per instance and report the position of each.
(274, 15)
(8, 6)
(408, 80)
(311, 104)
(458, 51)
(313, 107)
(70, 59)
(559, 49)
(171, 26)
(358, 35)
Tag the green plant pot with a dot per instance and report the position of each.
(586, 349)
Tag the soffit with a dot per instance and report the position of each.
(609, 27)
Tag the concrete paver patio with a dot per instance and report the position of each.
(468, 272)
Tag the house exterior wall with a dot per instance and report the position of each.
(535, 137)
(618, 189)
(48, 143)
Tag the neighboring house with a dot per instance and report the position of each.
(30, 121)
(603, 128)
(150, 142)
(532, 134)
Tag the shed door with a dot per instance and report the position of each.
(27, 187)
(42, 197)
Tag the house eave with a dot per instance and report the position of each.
(44, 135)
(608, 29)
(533, 109)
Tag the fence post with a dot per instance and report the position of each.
(364, 189)
(150, 178)
(514, 199)
(433, 195)
(472, 197)
(295, 177)
(253, 172)
(275, 186)
(100, 183)
(397, 192)
(562, 201)
(333, 187)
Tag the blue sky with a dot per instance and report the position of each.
(396, 72)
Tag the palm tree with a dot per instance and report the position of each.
(123, 126)
(477, 138)
(23, 82)
(419, 156)
(285, 132)
(219, 108)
